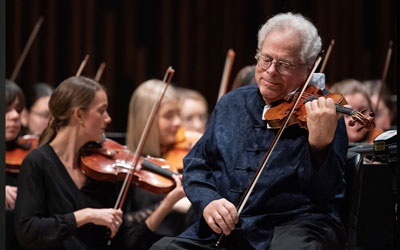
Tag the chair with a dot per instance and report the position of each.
(353, 178)
(368, 212)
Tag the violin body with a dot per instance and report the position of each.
(276, 115)
(14, 157)
(185, 142)
(111, 161)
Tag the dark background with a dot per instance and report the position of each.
(139, 39)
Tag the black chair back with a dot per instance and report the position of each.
(353, 178)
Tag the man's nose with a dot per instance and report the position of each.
(272, 69)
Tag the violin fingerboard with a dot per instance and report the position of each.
(344, 110)
(157, 169)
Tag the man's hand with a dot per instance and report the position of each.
(321, 122)
(221, 215)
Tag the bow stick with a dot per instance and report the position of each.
(230, 56)
(26, 49)
(100, 72)
(82, 66)
(385, 70)
(327, 56)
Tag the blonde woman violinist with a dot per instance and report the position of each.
(167, 139)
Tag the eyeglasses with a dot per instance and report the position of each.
(264, 62)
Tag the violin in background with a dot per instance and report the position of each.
(23, 146)
(185, 141)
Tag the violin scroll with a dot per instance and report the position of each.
(365, 122)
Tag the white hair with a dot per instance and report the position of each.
(306, 31)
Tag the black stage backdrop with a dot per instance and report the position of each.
(139, 39)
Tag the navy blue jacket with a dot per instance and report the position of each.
(290, 189)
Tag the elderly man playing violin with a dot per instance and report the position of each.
(295, 203)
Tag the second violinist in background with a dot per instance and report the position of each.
(357, 99)
(295, 203)
(194, 110)
(167, 140)
(15, 102)
(244, 77)
(37, 108)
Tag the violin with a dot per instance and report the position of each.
(111, 161)
(185, 142)
(276, 114)
(23, 146)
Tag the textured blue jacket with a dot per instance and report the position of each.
(290, 189)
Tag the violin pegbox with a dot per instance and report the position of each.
(365, 122)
